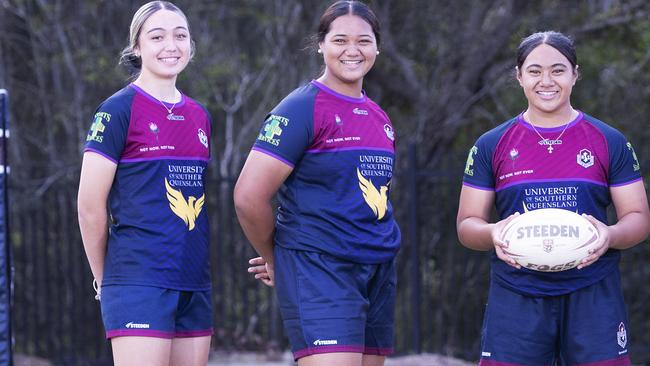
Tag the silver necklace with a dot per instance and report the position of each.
(550, 143)
(170, 112)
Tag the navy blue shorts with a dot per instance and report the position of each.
(585, 327)
(332, 305)
(147, 311)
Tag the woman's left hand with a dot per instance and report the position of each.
(263, 271)
(601, 245)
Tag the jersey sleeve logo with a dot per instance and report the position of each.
(98, 127)
(636, 166)
(188, 210)
(469, 165)
(273, 127)
(376, 199)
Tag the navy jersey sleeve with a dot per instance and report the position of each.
(109, 128)
(208, 123)
(624, 166)
(288, 130)
(478, 168)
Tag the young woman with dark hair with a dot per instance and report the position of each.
(328, 152)
(553, 156)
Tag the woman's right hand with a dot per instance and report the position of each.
(263, 271)
(500, 246)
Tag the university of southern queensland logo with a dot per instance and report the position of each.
(377, 200)
(585, 158)
(621, 335)
(272, 128)
(389, 132)
(203, 138)
(98, 127)
(188, 210)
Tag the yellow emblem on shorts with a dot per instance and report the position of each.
(187, 210)
(376, 199)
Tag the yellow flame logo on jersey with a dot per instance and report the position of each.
(376, 199)
(188, 210)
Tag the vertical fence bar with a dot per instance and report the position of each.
(276, 325)
(217, 250)
(6, 270)
(415, 247)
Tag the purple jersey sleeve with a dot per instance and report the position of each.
(624, 167)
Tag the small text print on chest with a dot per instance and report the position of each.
(519, 172)
(157, 148)
(341, 139)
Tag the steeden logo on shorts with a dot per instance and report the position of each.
(326, 342)
(132, 325)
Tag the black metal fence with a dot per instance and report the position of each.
(442, 286)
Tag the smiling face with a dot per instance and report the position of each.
(547, 78)
(164, 45)
(349, 51)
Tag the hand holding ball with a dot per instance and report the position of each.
(549, 240)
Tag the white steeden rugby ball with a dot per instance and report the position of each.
(549, 239)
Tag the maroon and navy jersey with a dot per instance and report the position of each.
(587, 158)
(342, 151)
(159, 231)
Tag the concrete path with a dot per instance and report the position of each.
(247, 359)
(285, 359)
